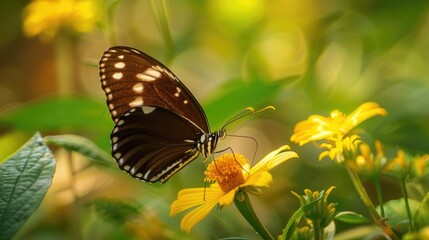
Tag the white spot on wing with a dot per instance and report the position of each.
(109, 96)
(147, 109)
(138, 88)
(119, 65)
(139, 175)
(127, 167)
(121, 56)
(146, 174)
(178, 91)
(107, 90)
(145, 78)
(111, 106)
(117, 75)
(118, 155)
(153, 72)
(114, 140)
(120, 122)
(121, 161)
(161, 69)
(185, 101)
(114, 113)
(137, 102)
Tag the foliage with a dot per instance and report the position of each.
(306, 58)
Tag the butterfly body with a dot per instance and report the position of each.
(160, 126)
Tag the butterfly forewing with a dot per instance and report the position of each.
(160, 126)
(131, 78)
(147, 144)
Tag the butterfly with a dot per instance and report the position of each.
(159, 125)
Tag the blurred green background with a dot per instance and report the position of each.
(303, 57)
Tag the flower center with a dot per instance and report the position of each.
(227, 171)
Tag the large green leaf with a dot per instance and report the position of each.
(24, 180)
(57, 113)
(83, 146)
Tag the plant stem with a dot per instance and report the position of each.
(379, 194)
(407, 205)
(318, 231)
(243, 204)
(367, 201)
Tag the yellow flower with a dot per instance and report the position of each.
(322, 212)
(340, 149)
(421, 165)
(404, 164)
(47, 17)
(337, 125)
(367, 161)
(231, 174)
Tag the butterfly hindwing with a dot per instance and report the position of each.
(131, 78)
(152, 143)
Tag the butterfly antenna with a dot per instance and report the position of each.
(246, 112)
(251, 138)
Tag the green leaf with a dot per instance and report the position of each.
(24, 179)
(351, 217)
(422, 209)
(57, 113)
(292, 223)
(83, 146)
(115, 211)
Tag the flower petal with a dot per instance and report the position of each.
(259, 179)
(227, 199)
(362, 113)
(273, 159)
(196, 215)
(192, 197)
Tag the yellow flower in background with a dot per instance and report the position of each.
(421, 165)
(369, 162)
(230, 173)
(404, 163)
(337, 125)
(47, 17)
(340, 149)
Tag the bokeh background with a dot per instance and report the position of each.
(303, 57)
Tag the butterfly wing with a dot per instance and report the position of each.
(131, 78)
(152, 143)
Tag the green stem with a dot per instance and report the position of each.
(243, 204)
(318, 231)
(367, 202)
(379, 194)
(407, 204)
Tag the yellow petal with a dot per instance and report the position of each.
(196, 215)
(259, 179)
(362, 113)
(273, 159)
(227, 198)
(192, 197)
